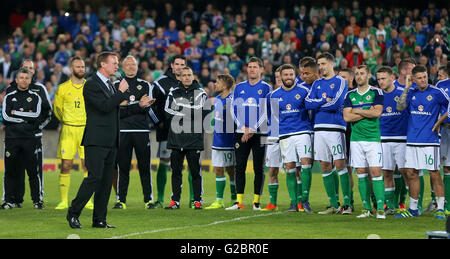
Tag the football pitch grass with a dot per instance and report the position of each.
(136, 222)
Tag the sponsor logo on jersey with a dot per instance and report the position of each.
(389, 109)
(420, 108)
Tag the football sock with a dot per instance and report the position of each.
(389, 196)
(256, 198)
(240, 198)
(220, 186)
(291, 182)
(378, 189)
(336, 183)
(273, 192)
(161, 179)
(447, 189)
(64, 185)
(440, 203)
(413, 203)
(344, 178)
(233, 189)
(330, 188)
(364, 190)
(306, 181)
(298, 190)
(422, 187)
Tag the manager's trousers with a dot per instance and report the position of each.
(242, 151)
(100, 162)
(176, 162)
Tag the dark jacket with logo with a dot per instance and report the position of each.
(185, 112)
(140, 121)
(163, 85)
(21, 111)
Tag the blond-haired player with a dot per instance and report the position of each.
(70, 111)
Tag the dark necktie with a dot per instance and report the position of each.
(110, 86)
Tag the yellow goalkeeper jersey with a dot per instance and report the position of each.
(69, 104)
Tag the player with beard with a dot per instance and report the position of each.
(326, 99)
(286, 107)
(70, 111)
(362, 110)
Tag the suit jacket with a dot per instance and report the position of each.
(102, 114)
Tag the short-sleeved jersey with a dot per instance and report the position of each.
(249, 105)
(287, 111)
(424, 108)
(393, 123)
(69, 104)
(367, 129)
(223, 123)
(444, 85)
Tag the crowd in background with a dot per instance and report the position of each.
(219, 41)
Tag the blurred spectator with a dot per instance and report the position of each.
(354, 57)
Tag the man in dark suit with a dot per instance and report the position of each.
(101, 139)
(6, 67)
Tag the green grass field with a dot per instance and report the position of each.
(139, 223)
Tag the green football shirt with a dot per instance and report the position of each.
(367, 129)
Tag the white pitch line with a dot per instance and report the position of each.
(193, 226)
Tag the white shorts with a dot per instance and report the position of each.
(223, 158)
(421, 158)
(273, 155)
(366, 154)
(393, 154)
(329, 146)
(163, 152)
(295, 148)
(445, 146)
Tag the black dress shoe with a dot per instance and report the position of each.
(73, 221)
(102, 224)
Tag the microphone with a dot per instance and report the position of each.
(118, 76)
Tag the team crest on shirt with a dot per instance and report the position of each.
(297, 96)
(7, 154)
(132, 98)
(389, 109)
(396, 99)
(29, 99)
(368, 97)
(429, 98)
(259, 91)
(139, 87)
(236, 146)
(420, 108)
(332, 86)
(288, 106)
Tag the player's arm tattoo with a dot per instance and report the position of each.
(401, 104)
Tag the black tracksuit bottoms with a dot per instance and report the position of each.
(242, 151)
(176, 162)
(140, 142)
(20, 154)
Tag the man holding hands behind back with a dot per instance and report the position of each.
(101, 138)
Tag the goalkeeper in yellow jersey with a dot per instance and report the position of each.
(70, 111)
